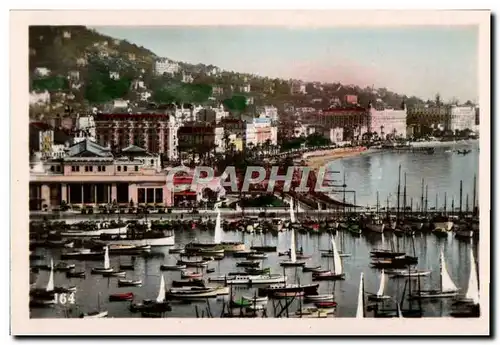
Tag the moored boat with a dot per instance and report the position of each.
(123, 296)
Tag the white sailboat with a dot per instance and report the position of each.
(360, 312)
(293, 254)
(107, 267)
(337, 273)
(472, 294)
(50, 284)
(218, 228)
(473, 288)
(161, 292)
(380, 293)
(448, 287)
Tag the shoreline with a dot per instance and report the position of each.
(322, 158)
(317, 159)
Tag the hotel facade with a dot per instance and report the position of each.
(90, 174)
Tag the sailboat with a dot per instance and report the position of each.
(448, 287)
(384, 252)
(337, 273)
(293, 254)
(379, 296)
(360, 311)
(159, 305)
(218, 247)
(330, 254)
(107, 267)
(45, 296)
(472, 294)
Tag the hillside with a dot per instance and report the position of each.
(82, 68)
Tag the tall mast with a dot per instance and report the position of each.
(437, 208)
(460, 196)
(378, 204)
(467, 203)
(399, 192)
(404, 198)
(474, 195)
(445, 206)
(426, 198)
(422, 198)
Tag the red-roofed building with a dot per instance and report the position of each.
(157, 133)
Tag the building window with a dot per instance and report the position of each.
(91, 168)
(152, 162)
(119, 168)
(141, 196)
(159, 195)
(136, 168)
(78, 168)
(58, 168)
(86, 168)
(125, 168)
(52, 168)
(103, 168)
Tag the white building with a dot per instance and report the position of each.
(138, 84)
(114, 75)
(336, 135)
(145, 95)
(302, 130)
(85, 129)
(387, 122)
(173, 140)
(74, 75)
(270, 112)
(219, 140)
(39, 98)
(259, 130)
(120, 103)
(220, 113)
(42, 71)
(462, 117)
(245, 88)
(166, 66)
(187, 78)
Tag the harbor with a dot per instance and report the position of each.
(147, 269)
(222, 262)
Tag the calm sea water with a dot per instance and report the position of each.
(427, 248)
(365, 174)
(378, 172)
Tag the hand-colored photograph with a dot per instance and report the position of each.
(255, 172)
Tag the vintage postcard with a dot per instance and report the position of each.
(250, 172)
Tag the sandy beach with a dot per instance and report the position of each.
(317, 159)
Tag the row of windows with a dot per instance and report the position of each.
(125, 168)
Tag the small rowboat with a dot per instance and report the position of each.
(256, 256)
(248, 264)
(94, 315)
(285, 294)
(74, 274)
(120, 274)
(189, 275)
(325, 304)
(313, 298)
(311, 268)
(125, 296)
(172, 267)
(129, 282)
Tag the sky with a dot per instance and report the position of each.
(416, 61)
